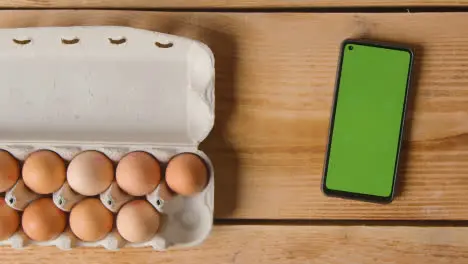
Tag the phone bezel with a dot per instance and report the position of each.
(360, 196)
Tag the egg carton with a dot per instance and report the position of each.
(114, 90)
(186, 221)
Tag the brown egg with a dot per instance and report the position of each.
(90, 173)
(138, 221)
(90, 220)
(44, 171)
(186, 174)
(165, 193)
(138, 173)
(42, 220)
(9, 171)
(9, 220)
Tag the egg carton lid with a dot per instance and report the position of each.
(112, 85)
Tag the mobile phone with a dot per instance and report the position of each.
(366, 126)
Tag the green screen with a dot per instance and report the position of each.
(370, 104)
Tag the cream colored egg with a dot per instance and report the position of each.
(138, 173)
(9, 220)
(138, 221)
(44, 171)
(9, 171)
(42, 220)
(90, 173)
(187, 174)
(90, 220)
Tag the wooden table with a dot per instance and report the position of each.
(275, 73)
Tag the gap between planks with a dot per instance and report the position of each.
(334, 222)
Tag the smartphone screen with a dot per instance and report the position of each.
(367, 121)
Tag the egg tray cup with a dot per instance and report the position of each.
(147, 91)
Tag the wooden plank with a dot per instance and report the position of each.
(282, 244)
(225, 3)
(275, 75)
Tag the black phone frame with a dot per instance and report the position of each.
(360, 196)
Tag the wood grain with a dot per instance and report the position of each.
(275, 75)
(281, 244)
(199, 4)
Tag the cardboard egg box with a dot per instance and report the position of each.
(114, 90)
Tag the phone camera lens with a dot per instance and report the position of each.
(350, 47)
